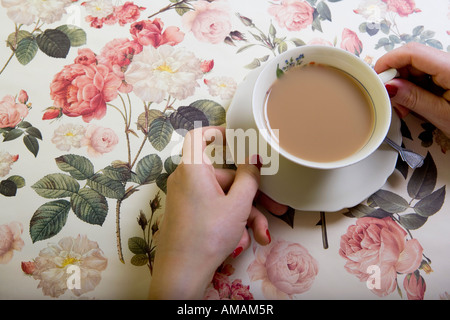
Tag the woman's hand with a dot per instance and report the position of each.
(424, 83)
(207, 214)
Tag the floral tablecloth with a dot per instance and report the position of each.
(95, 98)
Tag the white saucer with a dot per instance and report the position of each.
(309, 189)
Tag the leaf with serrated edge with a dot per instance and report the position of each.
(32, 144)
(213, 111)
(423, 179)
(89, 206)
(54, 43)
(160, 133)
(56, 185)
(412, 221)
(431, 203)
(26, 50)
(188, 118)
(137, 245)
(139, 260)
(106, 186)
(49, 219)
(77, 166)
(76, 35)
(389, 201)
(149, 168)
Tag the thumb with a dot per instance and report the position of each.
(246, 183)
(421, 101)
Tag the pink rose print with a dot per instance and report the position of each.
(23, 97)
(10, 240)
(126, 13)
(83, 90)
(86, 57)
(209, 21)
(403, 7)
(221, 288)
(11, 112)
(351, 42)
(285, 268)
(28, 267)
(117, 55)
(415, 286)
(382, 243)
(294, 15)
(99, 140)
(151, 33)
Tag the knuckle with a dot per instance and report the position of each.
(410, 99)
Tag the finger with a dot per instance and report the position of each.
(434, 108)
(244, 244)
(401, 111)
(426, 59)
(225, 178)
(257, 221)
(195, 142)
(271, 205)
(245, 185)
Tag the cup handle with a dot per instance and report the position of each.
(388, 75)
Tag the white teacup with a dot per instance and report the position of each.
(372, 82)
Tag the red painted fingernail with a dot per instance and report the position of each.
(257, 161)
(237, 252)
(392, 90)
(268, 235)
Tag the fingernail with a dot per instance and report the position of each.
(237, 252)
(257, 161)
(392, 90)
(268, 235)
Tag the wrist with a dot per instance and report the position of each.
(176, 277)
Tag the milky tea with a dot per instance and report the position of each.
(322, 113)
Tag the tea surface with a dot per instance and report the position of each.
(322, 113)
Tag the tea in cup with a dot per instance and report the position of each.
(322, 107)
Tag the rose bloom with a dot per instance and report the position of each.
(99, 140)
(52, 263)
(286, 268)
(26, 12)
(156, 73)
(209, 21)
(403, 7)
(294, 15)
(10, 240)
(11, 113)
(6, 161)
(382, 243)
(372, 10)
(68, 135)
(23, 97)
(80, 90)
(351, 42)
(415, 286)
(86, 57)
(151, 33)
(221, 288)
(127, 13)
(99, 8)
(117, 55)
(221, 86)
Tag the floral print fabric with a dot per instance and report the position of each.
(95, 99)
